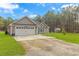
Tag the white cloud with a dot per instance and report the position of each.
(32, 15)
(41, 4)
(8, 7)
(0, 11)
(70, 7)
(53, 8)
(25, 10)
(8, 11)
(67, 5)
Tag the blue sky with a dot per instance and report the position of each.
(18, 10)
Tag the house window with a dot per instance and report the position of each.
(41, 30)
(16, 27)
(19, 27)
(22, 27)
(29, 27)
(32, 27)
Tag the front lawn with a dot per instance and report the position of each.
(69, 37)
(9, 47)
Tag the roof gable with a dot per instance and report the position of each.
(42, 24)
(25, 20)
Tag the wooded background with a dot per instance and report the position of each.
(67, 20)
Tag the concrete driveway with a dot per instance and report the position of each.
(38, 45)
(32, 37)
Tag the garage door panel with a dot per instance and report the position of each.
(24, 31)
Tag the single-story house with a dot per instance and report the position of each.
(26, 26)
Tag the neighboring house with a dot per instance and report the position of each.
(26, 26)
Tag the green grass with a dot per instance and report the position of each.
(9, 47)
(69, 37)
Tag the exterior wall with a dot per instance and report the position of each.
(37, 29)
(13, 30)
(42, 28)
(8, 29)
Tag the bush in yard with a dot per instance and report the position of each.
(6, 32)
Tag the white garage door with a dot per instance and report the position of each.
(21, 30)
